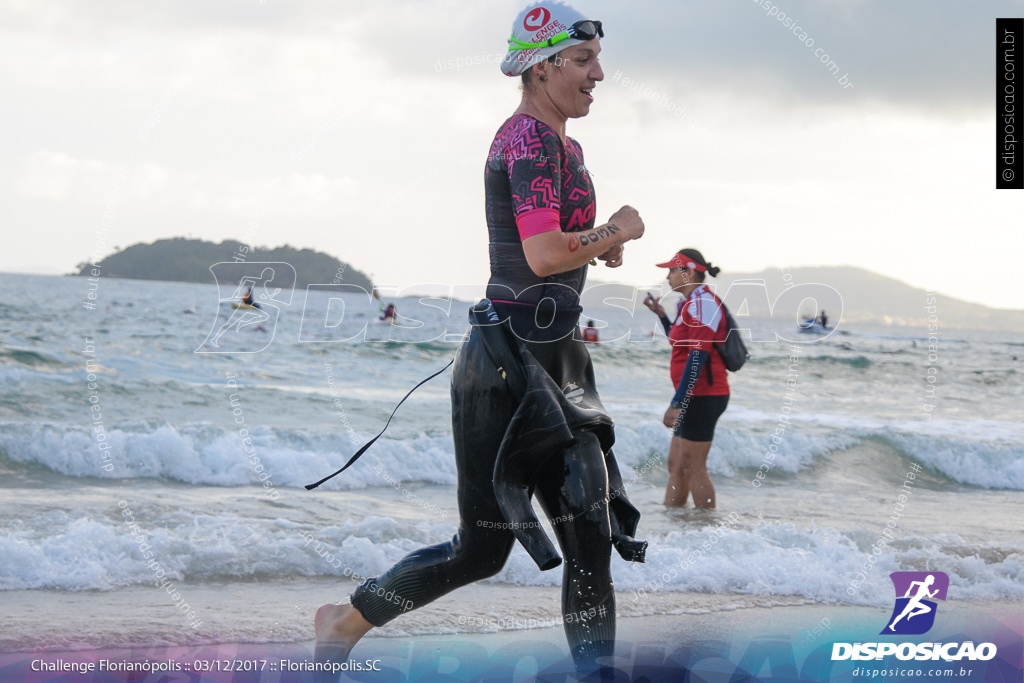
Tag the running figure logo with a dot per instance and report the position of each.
(914, 613)
(250, 297)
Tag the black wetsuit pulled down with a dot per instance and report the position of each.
(578, 485)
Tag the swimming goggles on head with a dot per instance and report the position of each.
(587, 29)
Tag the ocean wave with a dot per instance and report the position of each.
(974, 453)
(209, 454)
(990, 458)
(29, 359)
(777, 558)
(83, 550)
(79, 550)
(987, 454)
(738, 445)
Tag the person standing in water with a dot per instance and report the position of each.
(699, 375)
(541, 221)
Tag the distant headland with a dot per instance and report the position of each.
(181, 259)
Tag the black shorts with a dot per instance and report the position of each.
(698, 417)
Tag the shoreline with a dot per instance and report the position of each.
(771, 642)
(280, 613)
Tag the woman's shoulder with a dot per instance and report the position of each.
(524, 137)
(517, 124)
(703, 307)
(707, 293)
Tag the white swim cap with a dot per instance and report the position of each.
(539, 23)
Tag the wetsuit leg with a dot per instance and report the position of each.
(573, 491)
(481, 408)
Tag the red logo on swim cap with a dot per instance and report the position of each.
(536, 18)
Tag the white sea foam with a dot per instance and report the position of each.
(988, 454)
(976, 453)
(80, 550)
(205, 454)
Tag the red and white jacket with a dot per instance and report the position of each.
(699, 325)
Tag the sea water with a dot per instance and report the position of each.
(137, 460)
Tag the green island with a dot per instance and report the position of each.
(181, 259)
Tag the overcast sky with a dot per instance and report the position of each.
(360, 130)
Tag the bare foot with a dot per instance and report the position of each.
(338, 629)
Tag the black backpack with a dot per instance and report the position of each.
(733, 350)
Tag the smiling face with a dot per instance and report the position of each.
(570, 81)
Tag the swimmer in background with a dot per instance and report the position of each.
(249, 300)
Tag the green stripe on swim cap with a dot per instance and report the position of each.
(538, 23)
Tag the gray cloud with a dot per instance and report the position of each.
(918, 55)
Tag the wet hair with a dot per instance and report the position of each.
(697, 257)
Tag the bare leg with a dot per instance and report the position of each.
(338, 629)
(678, 487)
(695, 469)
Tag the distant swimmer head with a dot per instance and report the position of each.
(691, 264)
(542, 31)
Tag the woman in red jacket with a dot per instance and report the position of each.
(699, 375)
